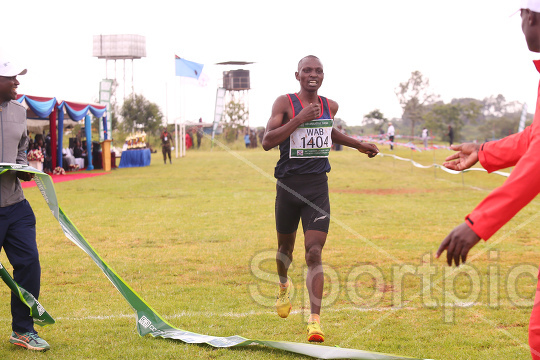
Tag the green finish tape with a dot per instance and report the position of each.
(38, 312)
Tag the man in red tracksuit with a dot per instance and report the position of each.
(520, 150)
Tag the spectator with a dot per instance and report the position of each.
(31, 142)
(260, 134)
(47, 164)
(391, 132)
(189, 140)
(253, 139)
(425, 137)
(199, 134)
(166, 145)
(450, 135)
(78, 151)
(68, 160)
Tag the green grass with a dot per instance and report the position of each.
(196, 239)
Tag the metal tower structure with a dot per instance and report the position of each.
(237, 84)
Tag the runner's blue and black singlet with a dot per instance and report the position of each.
(286, 166)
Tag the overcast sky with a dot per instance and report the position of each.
(466, 49)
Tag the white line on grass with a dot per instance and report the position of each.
(209, 314)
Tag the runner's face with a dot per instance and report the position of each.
(8, 88)
(310, 74)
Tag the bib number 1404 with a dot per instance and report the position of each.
(314, 141)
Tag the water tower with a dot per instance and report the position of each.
(116, 47)
(119, 47)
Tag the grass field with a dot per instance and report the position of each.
(196, 239)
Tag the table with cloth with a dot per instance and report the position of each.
(135, 158)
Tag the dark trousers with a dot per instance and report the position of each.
(18, 238)
(166, 151)
(391, 138)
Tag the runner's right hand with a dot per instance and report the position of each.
(310, 112)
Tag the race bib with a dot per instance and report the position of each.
(312, 139)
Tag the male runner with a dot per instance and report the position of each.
(302, 125)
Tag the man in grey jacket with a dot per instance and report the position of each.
(17, 220)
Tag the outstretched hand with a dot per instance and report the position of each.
(457, 244)
(370, 150)
(466, 156)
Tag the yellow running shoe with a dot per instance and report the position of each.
(283, 301)
(315, 333)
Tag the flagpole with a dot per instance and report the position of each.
(176, 120)
(190, 69)
(183, 139)
(166, 104)
(182, 122)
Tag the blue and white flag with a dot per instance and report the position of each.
(187, 68)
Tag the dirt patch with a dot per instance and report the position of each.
(379, 191)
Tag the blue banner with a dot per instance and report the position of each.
(188, 68)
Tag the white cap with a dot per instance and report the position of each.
(7, 69)
(533, 5)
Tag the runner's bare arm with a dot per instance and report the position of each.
(338, 137)
(279, 126)
(334, 107)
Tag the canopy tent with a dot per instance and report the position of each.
(41, 127)
(44, 108)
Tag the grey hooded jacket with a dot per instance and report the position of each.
(13, 144)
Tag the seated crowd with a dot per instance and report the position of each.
(73, 159)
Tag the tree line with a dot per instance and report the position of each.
(471, 119)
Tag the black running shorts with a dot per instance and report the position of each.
(302, 197)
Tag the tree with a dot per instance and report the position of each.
(501, 126)
(440, 115)
(494, 105)
(375, 117)
(497, 106)
(113, 113)
(340, 122)
(471, 110)
(236, 116)
(113, 106)
(414, 95)
(457, 113)
(138, 112)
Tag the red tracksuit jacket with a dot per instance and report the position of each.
(522, 151)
